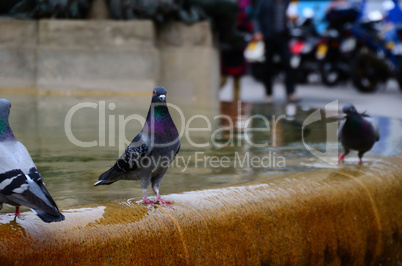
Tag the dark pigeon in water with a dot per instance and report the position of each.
(20, 181)
(149, 155)
(357, 132)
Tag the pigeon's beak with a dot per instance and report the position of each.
(162, 98)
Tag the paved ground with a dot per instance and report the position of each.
(387, 102)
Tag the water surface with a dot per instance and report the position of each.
(229, 154)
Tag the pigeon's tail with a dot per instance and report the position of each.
(102, 182)
(44, 206)
(47, 217)
(37, 198)
(108, 177)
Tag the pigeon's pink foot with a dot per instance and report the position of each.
(162, 202)
(17, 212)
(360, 162)
(341, 157)
(147, 201)
(16, 215)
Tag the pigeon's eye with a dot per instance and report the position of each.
(154, 92)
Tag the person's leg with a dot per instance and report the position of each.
(289, 72)
(267, 79)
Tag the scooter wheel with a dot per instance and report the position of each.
(330, 74)
(365, 73)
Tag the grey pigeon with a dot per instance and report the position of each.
(357, 132)
(149, 155)
(20, 181)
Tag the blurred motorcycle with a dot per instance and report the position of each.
(303, 46)
(337, 46)
(378, 59)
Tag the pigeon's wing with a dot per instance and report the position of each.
(21, 189)
(138, 149)
(130, 160)
(341, 124)
(374, 125)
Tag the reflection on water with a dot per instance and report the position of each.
(244, 141)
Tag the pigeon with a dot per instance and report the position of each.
(149, 155)
(20, 181)
(357, 132)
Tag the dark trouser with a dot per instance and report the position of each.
(278, 44)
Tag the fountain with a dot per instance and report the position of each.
(308, 212)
